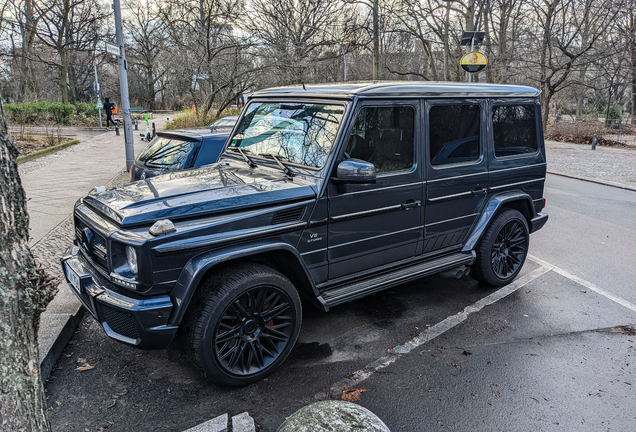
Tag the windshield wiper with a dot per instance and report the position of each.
(282, 166)
(249, 161)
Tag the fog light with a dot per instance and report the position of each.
(131, 255)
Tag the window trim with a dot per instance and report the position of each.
(493, 105)
(481, 103)
(363, 104)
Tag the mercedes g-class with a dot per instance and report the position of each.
(323, 192)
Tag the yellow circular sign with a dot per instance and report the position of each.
(474, 62)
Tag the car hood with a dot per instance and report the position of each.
(186, 194)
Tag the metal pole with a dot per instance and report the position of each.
(123, 86)
(472, 47)
(97, 92)
(344, 61)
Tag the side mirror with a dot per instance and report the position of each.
(355, 171)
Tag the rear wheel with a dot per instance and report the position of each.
(502, 249)
(245, 326)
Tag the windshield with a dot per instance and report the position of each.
(167, 153)
(299, 133)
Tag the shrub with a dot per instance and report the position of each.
(84, 109)
(188, 119)
(40, 112)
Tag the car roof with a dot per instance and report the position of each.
(399, 89)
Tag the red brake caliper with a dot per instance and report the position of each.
(270, 323)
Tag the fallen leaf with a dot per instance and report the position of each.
(467, 353)
(123, 393)
(391, 351)
(81, 360)
(113, 404)
(351, 394)
(85, 367)
(58, 403)
(115, 396)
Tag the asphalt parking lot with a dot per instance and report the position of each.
(548, 352)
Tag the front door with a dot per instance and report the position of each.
(371, 225)
(457, 171)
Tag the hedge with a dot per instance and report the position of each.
(36, 112)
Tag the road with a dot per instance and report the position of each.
(553, 351)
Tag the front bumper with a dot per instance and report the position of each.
(139, 322)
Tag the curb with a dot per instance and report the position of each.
(591, 180)
(43, 152)
(65, 335)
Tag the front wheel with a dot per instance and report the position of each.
(246, 326)
(502, 250)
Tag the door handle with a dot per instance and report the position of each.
(410, 204)
(479, 191)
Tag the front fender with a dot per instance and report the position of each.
(197, 267)
(490, 210)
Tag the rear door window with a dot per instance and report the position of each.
(454, 134)
(514, 129)
(168, 153)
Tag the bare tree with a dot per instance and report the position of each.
(24, 293)
(72, 28)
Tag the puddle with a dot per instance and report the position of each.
(310, 351)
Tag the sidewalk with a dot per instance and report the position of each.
(606, 165)
(53, 184)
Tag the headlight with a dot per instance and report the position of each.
(131, 255)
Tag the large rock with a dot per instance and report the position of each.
(333, 416)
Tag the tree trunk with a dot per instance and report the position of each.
(24, 293)
(28, 36)
(63, 75)
(632, 19)
(376, 40)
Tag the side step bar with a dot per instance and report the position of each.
(356, 290)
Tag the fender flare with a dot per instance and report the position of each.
(194, 271)
(490, 210)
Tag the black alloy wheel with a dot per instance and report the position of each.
(254, 330)
(509, 250)
(502, 250)
(243, 323)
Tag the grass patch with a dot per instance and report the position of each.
(39, 145)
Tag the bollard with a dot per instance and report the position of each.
(594, 143)
(136, 127)
(153, 129)
(116, 129)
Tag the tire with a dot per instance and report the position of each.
(243, 325)
(502, 250)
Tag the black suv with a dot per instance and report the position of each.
(329, 193)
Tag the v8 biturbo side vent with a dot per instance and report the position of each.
(289, 215)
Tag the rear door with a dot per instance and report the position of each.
(375, 224)
(517, 159)
(457, 171)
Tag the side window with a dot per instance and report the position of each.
(514, 130)
(384, 137)
(454, 133)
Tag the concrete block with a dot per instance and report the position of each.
(217, 424)
(243, 423)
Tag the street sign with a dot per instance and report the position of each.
(113, 49)
(474, 62)
(99, 105)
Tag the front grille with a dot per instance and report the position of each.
(121, 322)
(289, 215)
(99, 249)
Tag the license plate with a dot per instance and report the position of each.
(73, 278)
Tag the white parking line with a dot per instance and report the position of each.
(436, 330)
(587, 284)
